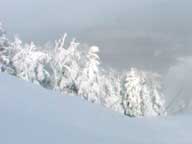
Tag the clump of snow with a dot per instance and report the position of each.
(94, 49)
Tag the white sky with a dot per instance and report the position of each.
(149, 34)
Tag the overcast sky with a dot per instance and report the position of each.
(149, 34)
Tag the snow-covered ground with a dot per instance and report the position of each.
(30, 114)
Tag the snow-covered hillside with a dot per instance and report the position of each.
(30, 114)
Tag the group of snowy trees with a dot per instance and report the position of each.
(4, 50)
(141, 94)
(73, 71)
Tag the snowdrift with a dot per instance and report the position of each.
(33, 115)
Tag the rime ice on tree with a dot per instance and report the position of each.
(142, 95)
(89, 79)
(66, 65)
(30, 63)
(5, 52)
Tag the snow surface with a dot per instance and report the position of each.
(30, 114)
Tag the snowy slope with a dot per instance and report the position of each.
(32, 115)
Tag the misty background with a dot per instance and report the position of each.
(154, 35)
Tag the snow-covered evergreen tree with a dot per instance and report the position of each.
(89, 80)
(66, 65)
(141, 95)
(4, 52)
(111, 91)
(30, 63)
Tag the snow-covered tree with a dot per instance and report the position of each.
(111, 91)
(89, 80)
(66, 65)
(4, 52)
(141, 95)
(30, 63)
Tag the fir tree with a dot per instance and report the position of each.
(88, 81)
(111, 91)
(66, 65)
(30, 64)
(141, 97)
(5, 48)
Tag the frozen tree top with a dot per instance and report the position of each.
(94, 49)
